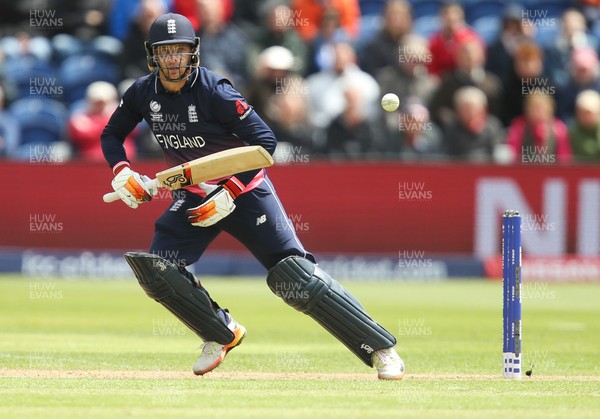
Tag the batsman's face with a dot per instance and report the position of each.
(173, 59)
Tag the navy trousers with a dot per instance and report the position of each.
(259, 222)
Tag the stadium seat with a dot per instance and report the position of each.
(486, 8)
(77, 72)
(548, 8)
(595, 30)
(488, 27)
(25, 72)
(65, 45)
(77, 106)
(369, 26)
(42, 120)
(105, 45)
(546, 35)
(426, 25)
(371, 7)
(38, 46)
(425, 8)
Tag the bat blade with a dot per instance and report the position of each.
(223, 163)
(214, 166)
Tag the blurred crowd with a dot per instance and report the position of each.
(478, 80)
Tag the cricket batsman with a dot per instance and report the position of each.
(193, 112)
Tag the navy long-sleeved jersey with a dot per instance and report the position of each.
(207, 115)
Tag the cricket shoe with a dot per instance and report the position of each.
(389, 364)
(213, 353)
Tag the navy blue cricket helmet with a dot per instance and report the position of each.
(168, 29)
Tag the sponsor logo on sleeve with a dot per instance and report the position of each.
(242, 109)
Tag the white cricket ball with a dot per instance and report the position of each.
(390, 102)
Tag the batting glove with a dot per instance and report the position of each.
(217, 205)
(132, 188)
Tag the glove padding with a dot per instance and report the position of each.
(217, 205)
(132, 188)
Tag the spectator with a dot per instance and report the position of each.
(86, 126)
(584, 74)
(372, 7)
(189, 9)
(279, 97)
(500, 53)
(133, 62)
(538, 136)
(85, 19)
(527, 77)
(10, 136)
(383, 50)
(351, 135)
(249, 14)
(308, 14)
(290, 124)
(590, 9)
(273, 73)
(573, 35)
(120, 16)
(417, 137)
(444, 44)
(24, 58)
(473, 134)
(408, 76)
(326, 89)
(409, 79)
(279, 31)
(223, 45)
(585, 130)
(321, 55)
(468, 72)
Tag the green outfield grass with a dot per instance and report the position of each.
(103, 349)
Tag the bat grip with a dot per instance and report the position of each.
(113, 196)
(110, 197)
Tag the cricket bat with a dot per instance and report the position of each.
(216, 165)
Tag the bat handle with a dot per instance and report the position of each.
(110, 197)
(113, 196)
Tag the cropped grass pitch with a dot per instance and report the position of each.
(74, 348)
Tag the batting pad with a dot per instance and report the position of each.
(166, 284)
(309, 289)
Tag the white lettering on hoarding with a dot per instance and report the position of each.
(495, 195)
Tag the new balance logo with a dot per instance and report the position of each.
(171, 28)
(262, 219)
(176, 205)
